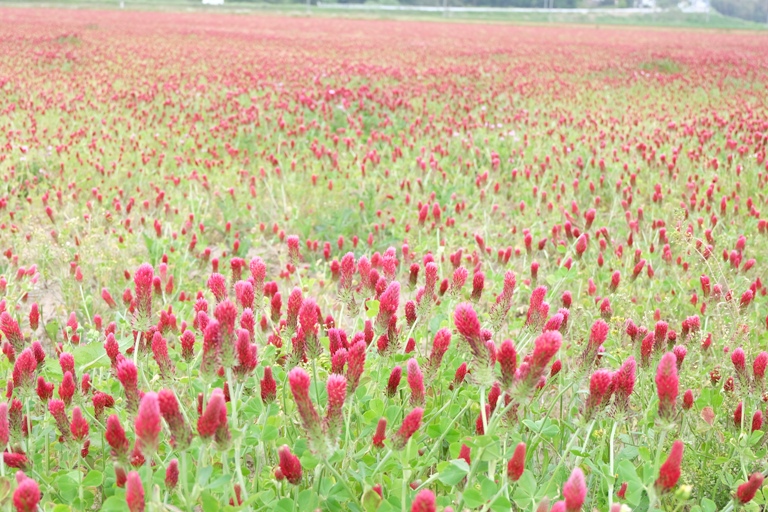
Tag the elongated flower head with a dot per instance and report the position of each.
(79, 425)
(290, 465)
(424, 502)
(115, 436)
(507, 357)
(669, 473)
(27, 494)
(411, 424)
(415, 382)
(516, 465)
(336, 388)
(575, 491)
(747, 490)
(667, 385)
(394, 381)
(268, 386)
(208, 423)
(172, 474)
(134, 492)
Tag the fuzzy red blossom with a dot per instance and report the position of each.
(181, 434)
(687, 399)
(79, 426)
(394, 381)
(27, 494)
(667, 385)
(210, 421)
(336, 388)
(142, 281)
(680, 352)
(757, 421)
(440, 344)
(16, 460)
(299, 382)
(669, 473)
(355, 364)
(10, 328)
(516, 465)
(268, 386)
(461, 373)
(187, 345)
(410, 425)
(746, 491)
(660, 334)
(535, 316)
(67, 388)
(295, 300)
(599, 391)
(24, 369)
(57, 410)
(738, 414)
(507, 357)
(290, 465)
(388, 304)
(211, 348)
(34, 316)
(556, 367)
(217, 284)
(4, 425)
(134, 492)
(624, 383)
(545, 348)
(646, 349)
(416, 383)
(424, 502)
(115, 436)
(128, 377)
(575, 491)
(172, 474)
(381, 433)
(478, 283)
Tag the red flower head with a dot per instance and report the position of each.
(575, 491)
(79, 426)
(268, 386)
(394, 381)
(24, 369)
(388, 304)
(507, 357)
(142, 281)
(147, 425)
(381, 433)
(169, 408)
(299, 382)
(134, 492)
(416, 382)
(56, 408)
(355, 365)
(27, 494)
(336, 388)
(217, 284)
(599, 390)
(11, 330)
(115, 436)
(209, 422)
(624, 383)
(440, 346)
(290, 466)
(516, 465)
(757, 420)
(128, 377)
(4, 424)
(172, 474)
(424, 502)
(758, 367)
(688, 399)
(747, 490)
(411, 424)
(67, 388)
(667, 385)
(669, 473)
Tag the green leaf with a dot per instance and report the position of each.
(67, 487)
(269, 433)
(210, 504)
(473, 498)
(221, 482)
(488, 487)
(371, 500)
(454, 472)
(373, 308)
(203, 475)
(501, 504)
(93, 479)
(61, 508)
(114, 504)
(707, 505)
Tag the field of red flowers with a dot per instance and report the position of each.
(270, 263)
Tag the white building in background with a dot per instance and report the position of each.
(694, 6)
(213, 2)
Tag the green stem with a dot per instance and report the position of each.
(610, 485)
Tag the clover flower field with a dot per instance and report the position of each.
(283, 263)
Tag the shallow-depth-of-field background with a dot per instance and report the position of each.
(264, 262)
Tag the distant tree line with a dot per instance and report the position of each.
(753, 10)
